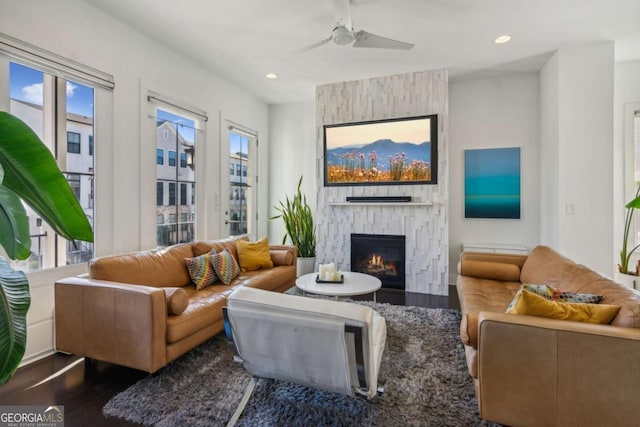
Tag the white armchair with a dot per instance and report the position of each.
(330, 345)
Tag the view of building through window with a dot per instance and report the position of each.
(75, 154)
(240, 183)
(175, 186)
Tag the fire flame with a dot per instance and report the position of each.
(377, 264)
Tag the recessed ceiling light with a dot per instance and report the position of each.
(502, 39)
(272, 76)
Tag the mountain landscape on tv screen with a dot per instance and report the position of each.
(383, 148)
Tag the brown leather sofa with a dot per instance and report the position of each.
(122, 311)
(534, 371)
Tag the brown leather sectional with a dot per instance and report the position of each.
(122, 311)
(533, 371)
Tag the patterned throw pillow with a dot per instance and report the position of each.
(225, 266)
(552, 294)
(201, 271)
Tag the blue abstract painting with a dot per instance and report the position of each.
(492, 183)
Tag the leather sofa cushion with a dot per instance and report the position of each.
(478, 295)
(202, 247)
(267, 279)
(159, 268)
(490, 270)
(205, 308)
(177, 300)
(545, 266)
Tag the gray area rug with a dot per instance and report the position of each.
(423, 370)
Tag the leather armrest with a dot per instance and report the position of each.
(287, 259)
(569, 368)
(490, 270)
(494, 257)
(116, 322)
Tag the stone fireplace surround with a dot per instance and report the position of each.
(423, 221)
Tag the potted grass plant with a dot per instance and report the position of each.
(29, 174)
(624, 275)
(300, 230)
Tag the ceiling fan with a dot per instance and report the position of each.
(343, 32)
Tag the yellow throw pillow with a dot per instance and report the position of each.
(254, 255)
(526, 302)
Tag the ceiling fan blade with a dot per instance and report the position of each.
(365, 39)
(314, 45)
(342, 13)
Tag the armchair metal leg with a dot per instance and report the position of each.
(243, 402)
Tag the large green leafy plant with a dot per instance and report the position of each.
(298, 223)
(29, 172)
(625, 253)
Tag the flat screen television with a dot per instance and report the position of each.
(382, 152)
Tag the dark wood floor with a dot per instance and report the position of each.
(83, 389)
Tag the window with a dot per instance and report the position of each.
(72, 111)
(183, 194)
(232, 169)
(242, 150)
(159, 193)
(74, 183)
(174, 133)
(73, 142)
(90, 197)
(172, 193)
(159, 156)
(159, 219)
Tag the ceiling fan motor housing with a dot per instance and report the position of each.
(342, 36)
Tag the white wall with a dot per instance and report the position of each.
(293, 154)
(125, 198)
(583, 80)
(626, 98)
(492, 113)
(549, 146)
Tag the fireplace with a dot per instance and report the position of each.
(380, 255)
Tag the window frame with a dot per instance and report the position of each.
(71, 143)
(159, 193)
(172, 194)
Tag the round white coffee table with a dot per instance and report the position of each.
(354, 284)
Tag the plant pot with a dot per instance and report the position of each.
(306, 266)
(627, 280)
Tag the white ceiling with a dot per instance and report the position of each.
(242, 40)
